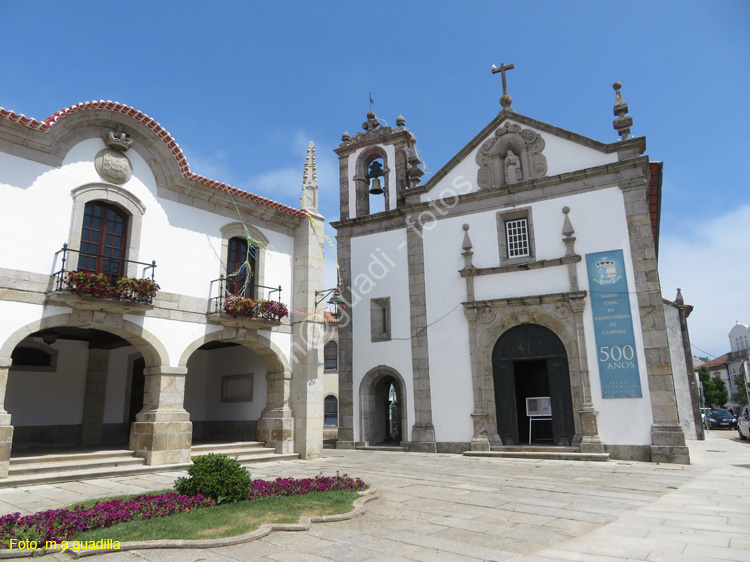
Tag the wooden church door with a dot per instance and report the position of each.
(531, 361)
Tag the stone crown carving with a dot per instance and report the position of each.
(511, 155)
(117, 140)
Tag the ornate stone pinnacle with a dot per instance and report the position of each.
(372, 122)
(117, 139)
(622, 123)
(309, 198)
(400, 121)
(345, 137)
(678, 299)
(467, 245)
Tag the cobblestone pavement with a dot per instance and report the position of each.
(452, 508)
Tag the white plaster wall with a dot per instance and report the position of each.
(600, 224)
(116, 410)
(562, 156)
(449, 351)
(739, 337)
(36, 398)
(390, 279)
(679, 371)
(203, 393)
(184, 241)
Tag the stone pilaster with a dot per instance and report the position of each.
(6, 430)
(276, 424)
(346, 382)
(307, 339)
(423, 431)
(162, 432)
(667, 438)
(93, 402)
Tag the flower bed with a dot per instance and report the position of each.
(56, 525)
(242, 306)
(298, 487)
(100, 286)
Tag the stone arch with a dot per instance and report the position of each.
(118, 196)
(362, 184)
(269, 352)
(149, 346)
(562, 315)
(368, 425)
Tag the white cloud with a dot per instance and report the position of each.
(710, 264)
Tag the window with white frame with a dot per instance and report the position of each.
(517, 238)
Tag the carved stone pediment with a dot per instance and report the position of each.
(511, 155)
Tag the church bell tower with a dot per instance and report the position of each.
(382, 162)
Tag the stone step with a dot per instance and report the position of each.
(205, 448)
(73, 465)
(559, 456)
(235, 452)
(535, 449)
(73, 457)
(383, 448)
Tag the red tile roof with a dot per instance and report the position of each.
(329, 318)
(159, 131)
(717, 362)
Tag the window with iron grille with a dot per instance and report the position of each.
(517, 236)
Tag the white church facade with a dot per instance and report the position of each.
(511, 299)
(143, 306)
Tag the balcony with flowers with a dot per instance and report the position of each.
(241, 303)
(98, 282)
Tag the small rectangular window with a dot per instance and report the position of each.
(517, 235)
(380, 319)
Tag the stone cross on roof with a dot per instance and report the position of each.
(505, 100)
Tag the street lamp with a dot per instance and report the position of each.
(335, 300)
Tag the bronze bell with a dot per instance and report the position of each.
(375, 187)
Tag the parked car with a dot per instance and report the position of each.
(743, 423)
(722, 419)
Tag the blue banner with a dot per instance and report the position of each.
(613, 325)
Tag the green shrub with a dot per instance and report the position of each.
(215, 475)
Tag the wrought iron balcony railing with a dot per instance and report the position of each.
(118, 284)
(248, 299)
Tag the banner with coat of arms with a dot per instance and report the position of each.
(613, 325)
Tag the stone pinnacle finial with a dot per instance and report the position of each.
(622, 123)
(678, 299)
(372, 122)
(400, 121)
(309, 199)
(346, 137)
(467, 245)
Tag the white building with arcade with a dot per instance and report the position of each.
(202, 329)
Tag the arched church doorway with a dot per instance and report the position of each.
(532, 387)
(383, 408)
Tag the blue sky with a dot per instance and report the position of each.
(244, 86)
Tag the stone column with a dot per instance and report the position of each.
(307, 339)
(93, 402)
(6, 430)
(346, 377)
(667, 438)
(276, 424)
(423, 431)
(590, 440)
(162, 432)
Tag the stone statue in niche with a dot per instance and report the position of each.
(510, 155)
(513, 172)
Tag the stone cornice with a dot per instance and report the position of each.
(529, 266)
(527, 300)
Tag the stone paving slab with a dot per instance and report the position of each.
(451, 508)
